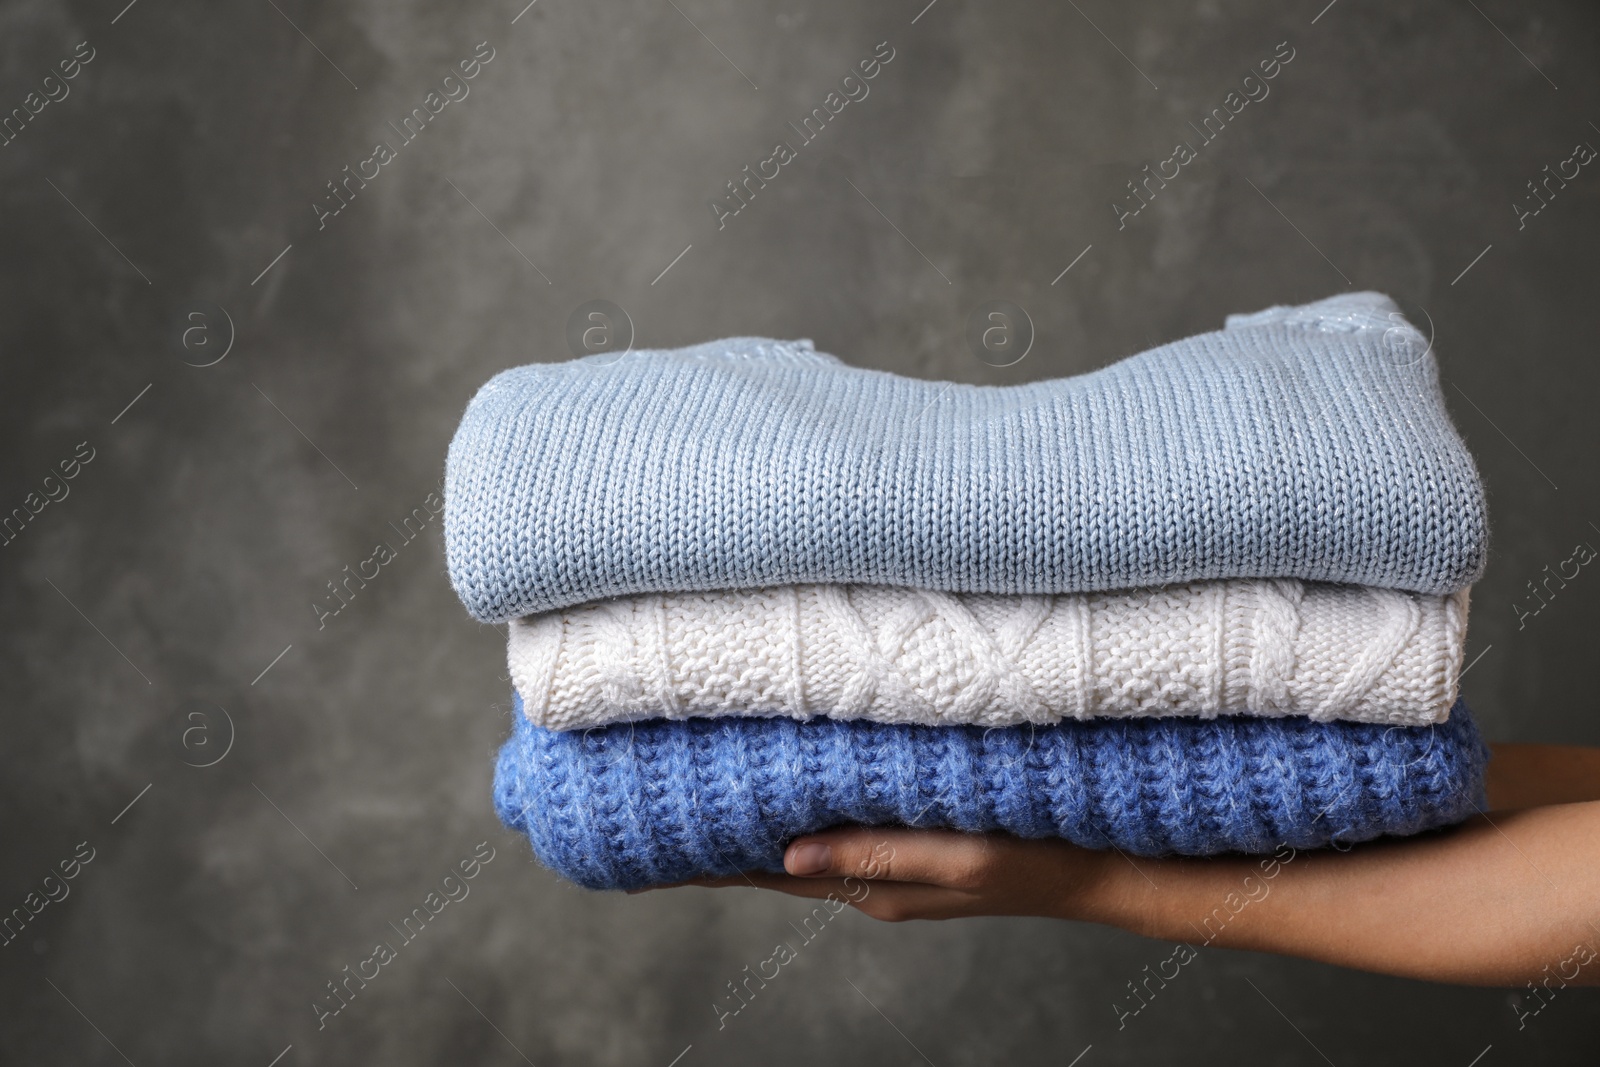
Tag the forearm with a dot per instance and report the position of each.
(1489, 903)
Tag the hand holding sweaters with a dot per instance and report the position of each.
(1503, 899)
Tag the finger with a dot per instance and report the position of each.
(814, 888)
(897, 902)
(885, 901)
(745, 879)
(889, 901)
(936, 857)
(804, 887)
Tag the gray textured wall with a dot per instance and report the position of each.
(187, 553)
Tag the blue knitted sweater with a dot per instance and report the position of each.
(1307, 442)
(642, 804)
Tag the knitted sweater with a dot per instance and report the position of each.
(643, 804)
(1308, 442)
(1256, 646)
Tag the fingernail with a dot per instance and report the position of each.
(811, 858)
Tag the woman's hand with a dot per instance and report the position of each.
(898, 874)
(1503, 899)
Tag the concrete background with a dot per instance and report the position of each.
(190, 548)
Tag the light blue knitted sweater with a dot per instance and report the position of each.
(1307, 442)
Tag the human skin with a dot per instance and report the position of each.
(1508, 897)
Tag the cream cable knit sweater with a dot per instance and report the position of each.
(1263, 647)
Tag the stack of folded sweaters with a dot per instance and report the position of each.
(1210, 598)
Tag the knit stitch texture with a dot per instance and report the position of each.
(1251, 646)
(642, 804)
(1307, 442)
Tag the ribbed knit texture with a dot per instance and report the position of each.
(644, 804)
(1308, 442)
(1247, 646)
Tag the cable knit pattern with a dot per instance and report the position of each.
(1307, 442)
(1250, 646)
(639, 804)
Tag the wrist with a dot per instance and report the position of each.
(1180, 898)
(1102, 886)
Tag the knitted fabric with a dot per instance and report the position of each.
(642, 804)
(1306, 442)
(1252, 646)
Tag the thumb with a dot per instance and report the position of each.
(935, 857)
